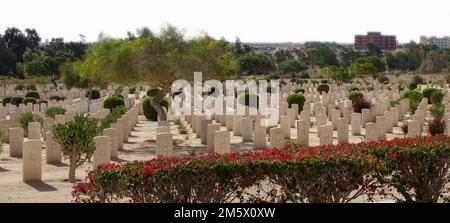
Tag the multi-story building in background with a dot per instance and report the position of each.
(443, 42)
(384, 42)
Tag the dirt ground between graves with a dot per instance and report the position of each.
(55, 187)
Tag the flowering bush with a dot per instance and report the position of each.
(414, 170)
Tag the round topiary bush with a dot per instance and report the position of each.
(353, 95)
(323, 87)
(428, 92)
(6, 100)
(29, 100)
(16, 101)
(32, 94)
(94, 94)
(112, 102)
(296, 99)
(245, 98)
(152, 92)
(149, 112)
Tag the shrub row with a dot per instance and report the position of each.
(416, 168)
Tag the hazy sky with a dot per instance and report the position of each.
(252, 21)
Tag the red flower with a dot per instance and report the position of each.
(148, 170)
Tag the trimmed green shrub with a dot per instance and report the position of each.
(16, 101)
(414, 99)
(29, 100)
(32, 94)
(427, 92)
(6, 100)
(149, 112)
(296, 99)
(94, 94)
(152, 92)
(25, 119)
(113, 116)
(353, 95)
(53, 111)
(323, 87)
(112, 102)
(437, 97)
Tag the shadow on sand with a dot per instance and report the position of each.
(41, 186)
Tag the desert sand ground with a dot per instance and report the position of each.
(55, 187)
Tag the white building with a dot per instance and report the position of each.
(443, 42)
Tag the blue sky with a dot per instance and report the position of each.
(252, 21)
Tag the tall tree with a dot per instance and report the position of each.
(158, 59)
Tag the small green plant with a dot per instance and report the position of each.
(177, 121)
(76, 140)
(25, 119)
(53, 111)
(395, 102)
(428, 92)
(414, 97)
(112, 117)
(437, 111)
(355, 94)
(437, 97)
